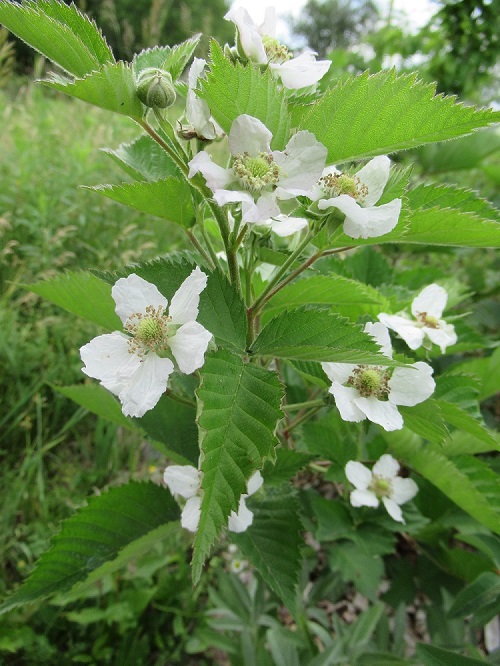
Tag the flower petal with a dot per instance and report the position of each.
(183, 480)
(268, 26)
(266, 208)
(133, 294)
(370, 222)
(190, 516)
(385, 414)
(197, 110)
(248, 34)
(302, 71)
(239, 522)
(301, 163)
(403, 490)
(359, 475)
(431, 300)
(254, 483)
(285, 225)
(411, 386)
(189, 345)
(215, 176)
(407, 329)
(386, 467)
(146, 386)
(185, 301)
(249, 135)
(381, 336)
(374, 175)
(338, 372)
(363, 498)
(345, 397)
(444, 336)
(108, 358)
(393, 509)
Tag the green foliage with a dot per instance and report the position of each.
(143, 159)
(238, 412)
(231, 90)
(434, 656)
(384, 113)
(94, 536)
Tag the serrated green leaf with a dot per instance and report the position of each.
(458, 418)
(113, 88)
(365, 571)
(465, 153)
(59, 32)
(331, 438)
(331, 290)
(94, 536)
(154, 57)
(426, 420)
(272, 543)
(239, 407)
(169, 198)
(180, 55)
(448, 196)
(487, 370)
(143, 159)
(465, 480)
(317, 335)
(288, 462)
(382, 113)
(82, 294)
(430, 655)
(232, 89)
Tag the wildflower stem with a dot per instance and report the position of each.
(208, 243)
(297, 406)
(200, 248)
(169, 149)
(301, 418)
(183, 401)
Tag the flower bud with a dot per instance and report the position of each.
(155, 88)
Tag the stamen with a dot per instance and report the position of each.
(335, 184)
(381, 487)
(427, 320)
(276, 52)
(370, 381)
(148, 331)
(255, 173)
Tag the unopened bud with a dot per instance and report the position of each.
(155, 88)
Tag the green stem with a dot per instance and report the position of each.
(297, 406)
(208, 243)
(301, 418)
(170, 132)
(183, 401)
(200, 248)
(166, 147)
(240, 238)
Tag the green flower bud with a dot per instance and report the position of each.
(155, 88)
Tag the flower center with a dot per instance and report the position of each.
(275, 52)
(427, 320)
(381, 487)
(335, 184)
(255, 173)
(149, 331)
(370, 381)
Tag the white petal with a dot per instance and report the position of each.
(368, 222)
(254, 483)
(216, 177)
(444, 336)
(268, 26)
(266, 207)
(393, 509)
(431, 300)
(301, 163)
(108, 358)
(412, 385)
(407, 329)
(249, 135)
(403, 490)
(284, 225)
(133, 294)
(316, 193)
(190, 516)
(146, 386)
(183, 480)
(381, 336)
(359, 475)
(338, 372)
(249, 36)
(375, 175)
(189, 345)
(302, 71)
(384, 414)
(363, 498)
(185, 301)
(197, 110)
(239, 522)
(386, 467)
(345, 400)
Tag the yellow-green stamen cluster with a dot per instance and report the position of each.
(380, 486)
(427, 320)
(370, 381)
(275, 51)
(335, 184)
(255, 173)
(149, 330)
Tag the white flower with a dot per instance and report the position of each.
(134, 366)
(374, 392)
(258, 175)
(185, 481)
(197, 110)
(381, 483)
(356, 196)
(427, 308)
(258, 43)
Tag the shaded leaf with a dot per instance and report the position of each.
(143, 159)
